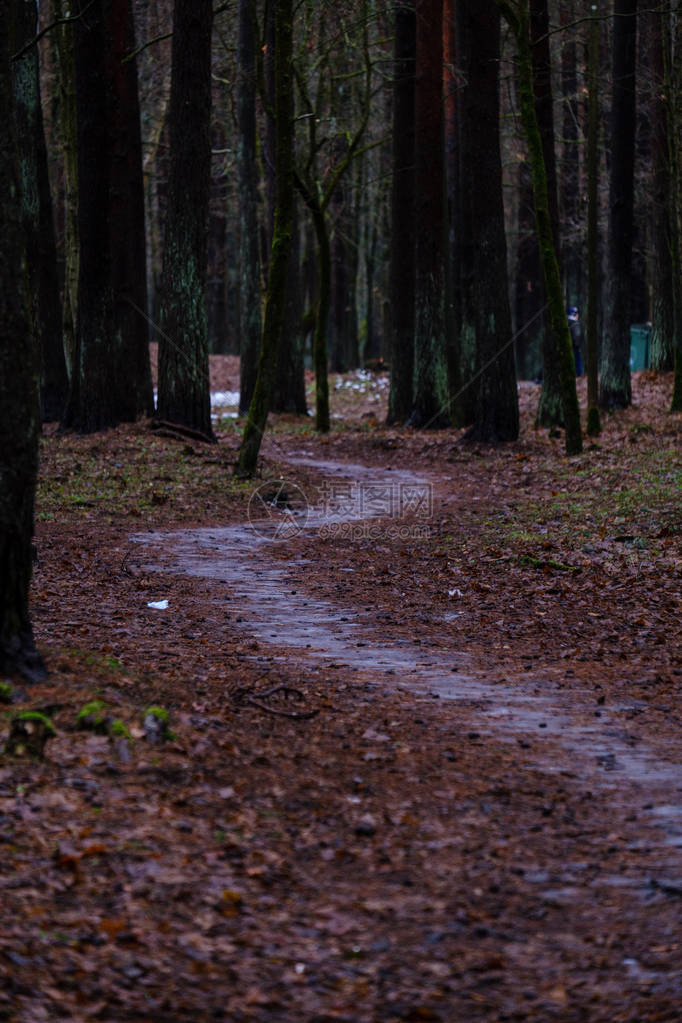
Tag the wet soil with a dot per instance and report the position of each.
(426, 705)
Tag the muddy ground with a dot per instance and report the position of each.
(425, 716)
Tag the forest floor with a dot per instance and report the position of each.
(424, 701)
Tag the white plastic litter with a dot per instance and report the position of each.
(158, 605)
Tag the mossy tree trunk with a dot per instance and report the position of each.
(275, 303)
(495, 399)
(615, 386)
(39, 231)
(430, 397)
(592, 337)
(19, 397)
(517, 17)
(184, 387)
(250, 319)
(401, 282)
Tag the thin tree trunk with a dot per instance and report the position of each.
(550, 409)
(615, 390)
(591, 361)
(572, 238)
(518, 19)
(69, 143)
(431, 398)
(664, 221)
(401, 284)
(250, 320)
(275, 305)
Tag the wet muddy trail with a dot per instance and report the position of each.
(263, 563)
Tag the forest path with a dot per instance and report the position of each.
(266, 567)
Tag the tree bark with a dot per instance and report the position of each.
(275, 305)
(68, 133)
(495, 405)
(129, 255)
(110, 380)
(662, 341)
(615, 390)
(401, 283)
(592, 337)
(19, 400)
(184, 388)
(39, 231)
(431, 398)
(572, 238)
(250, 320)
(550, 409)
(518, 19)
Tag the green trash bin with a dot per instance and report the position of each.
(639, 346)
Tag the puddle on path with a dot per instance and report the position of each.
(272, 606)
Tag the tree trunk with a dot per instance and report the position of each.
(529, 295)
(289, 394)
(495, 406)
(591, 361)
(550, 409)
(275, 305)
(431, 399)
(184, 388)
(615, 389)
(19, 400)
(110, 381)
(572, 238)
(250, 320)
(69, 143)
(39, 232)
(129, 255)
(401, 284)
(662, 340)
(518, 19)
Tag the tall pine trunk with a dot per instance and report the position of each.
(495, 404)
(110, 379)
(550, 409)
(250, 320)
(518, 18)
(19, 400)
(184, 387)
(430, 401)
(401, 281)
(615, 387)
(275, 305)
(664, 227)
(592, 336)
(68, 137)
(39, 231)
